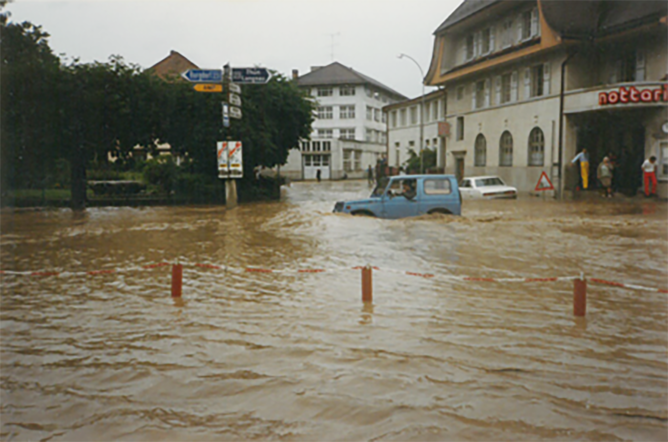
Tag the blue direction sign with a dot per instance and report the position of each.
(203, 75)
(250, 75)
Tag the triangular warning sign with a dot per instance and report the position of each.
(544, 183)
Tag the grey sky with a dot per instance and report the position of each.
(278, 34)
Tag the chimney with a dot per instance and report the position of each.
(295, 74)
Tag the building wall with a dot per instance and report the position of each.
(519, 117)
(404, 137)
(366, 146)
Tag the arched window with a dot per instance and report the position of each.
(506, 149)
(480, 154)
(536, 147)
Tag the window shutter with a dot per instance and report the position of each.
(514, 86)
(527, 83)
(546, 79)
(488, 91)
(497, 90)
(464, 52)
(473, 93)
(640, 66)
(476, 44)
(492, 38)
(616, 69)
(519, 29)
(534, 22)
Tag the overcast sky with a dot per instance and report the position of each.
(366, 35)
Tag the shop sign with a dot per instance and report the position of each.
(634, 95)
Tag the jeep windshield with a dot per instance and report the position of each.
(380, 187)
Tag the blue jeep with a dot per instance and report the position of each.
(408, 195)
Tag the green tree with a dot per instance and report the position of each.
(428, 160)
(30, 75)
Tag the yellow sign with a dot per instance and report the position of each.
(203, 87)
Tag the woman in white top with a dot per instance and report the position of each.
(649, 176)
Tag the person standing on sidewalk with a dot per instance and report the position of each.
(583, 158)
(604, 175)
(649, 176)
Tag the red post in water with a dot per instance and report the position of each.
(177, 280)
(367, 285)
(580, 297)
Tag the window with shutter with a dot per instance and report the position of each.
(640, 66)
(546, 79)
(536, 147)
(505, 88)
(514, 86)
(497, 91)
(534, 22)
(506, 150)
(488, 90)
(527, 83)
(480, 151)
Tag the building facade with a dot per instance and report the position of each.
(404, 127)
(349, 131)
(529, 86)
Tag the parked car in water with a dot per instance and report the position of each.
(486, 187)
(408, 195)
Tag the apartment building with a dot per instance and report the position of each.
(530, 83)
(349, 132)
(405, 128)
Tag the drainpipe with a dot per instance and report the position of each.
(561, 123)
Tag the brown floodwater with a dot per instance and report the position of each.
(297, 356)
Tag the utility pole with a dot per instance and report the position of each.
(421, 109)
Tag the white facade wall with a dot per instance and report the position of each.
(404, 137)
(370, 133)
(519, 117)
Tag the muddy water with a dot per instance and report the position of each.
(296, 356)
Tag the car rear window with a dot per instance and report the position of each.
(489, 182)
(437, 187)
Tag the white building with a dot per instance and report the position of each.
(349, 132)
(404, 121)
(511, 67)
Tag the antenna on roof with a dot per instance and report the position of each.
(333, 44)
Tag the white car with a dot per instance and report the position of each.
(486, 187)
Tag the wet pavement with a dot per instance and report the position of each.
(297, 356)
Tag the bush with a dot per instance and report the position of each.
(162, 173)
(198, 187)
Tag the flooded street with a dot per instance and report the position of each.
(297, 356)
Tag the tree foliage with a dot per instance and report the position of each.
(86, 113)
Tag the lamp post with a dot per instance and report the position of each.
(421, 108)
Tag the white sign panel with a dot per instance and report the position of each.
(230, 159)
(235, 159)
(223, 167)
(235, 112)
(235, 99)
(235, 88)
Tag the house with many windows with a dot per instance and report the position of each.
(349, 132)
(405, 128)
(531, 83)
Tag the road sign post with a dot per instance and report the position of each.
(227, 80)
(250, 75)
(203, 75)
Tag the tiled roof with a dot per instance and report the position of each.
(465, 10)
(592, 17)
(172, 65)
(336, 73)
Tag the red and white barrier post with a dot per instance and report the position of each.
(367, 284)
(177, 280)
(580, 296)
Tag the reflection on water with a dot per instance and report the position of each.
(298, 356)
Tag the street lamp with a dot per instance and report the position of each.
(421, 108)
